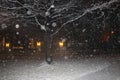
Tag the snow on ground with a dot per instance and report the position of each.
(64, 69)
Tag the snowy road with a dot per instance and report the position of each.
(97, 68)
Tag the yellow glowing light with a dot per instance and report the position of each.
(7, 45)
(61, 44)
(38, 44)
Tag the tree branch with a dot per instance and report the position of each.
(104, 5)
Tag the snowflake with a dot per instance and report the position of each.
(29, 12)
(54, 24)
(17, 26)
(52, 6)
(17, 33)
(47, 13)
(83, 30)
(3, 26)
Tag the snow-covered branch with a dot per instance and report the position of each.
(89, 10)
(42, 26)
(38, 9)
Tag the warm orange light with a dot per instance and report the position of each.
(61, 44)
(38, 44)
(112, 32)
(7, 45)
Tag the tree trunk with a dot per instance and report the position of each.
(48, 48)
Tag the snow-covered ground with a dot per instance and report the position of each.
(95, 68)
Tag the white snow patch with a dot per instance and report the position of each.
(59, 70)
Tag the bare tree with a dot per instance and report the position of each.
(53, 15)
(56, 10)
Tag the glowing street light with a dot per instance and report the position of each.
(38, 44)
(7, 45)
(61, 44)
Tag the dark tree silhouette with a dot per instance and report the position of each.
(81, 20)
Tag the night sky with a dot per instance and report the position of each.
(87, 21)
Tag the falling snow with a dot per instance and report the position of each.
(59, 70)
(88, 28)
(3, 26)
